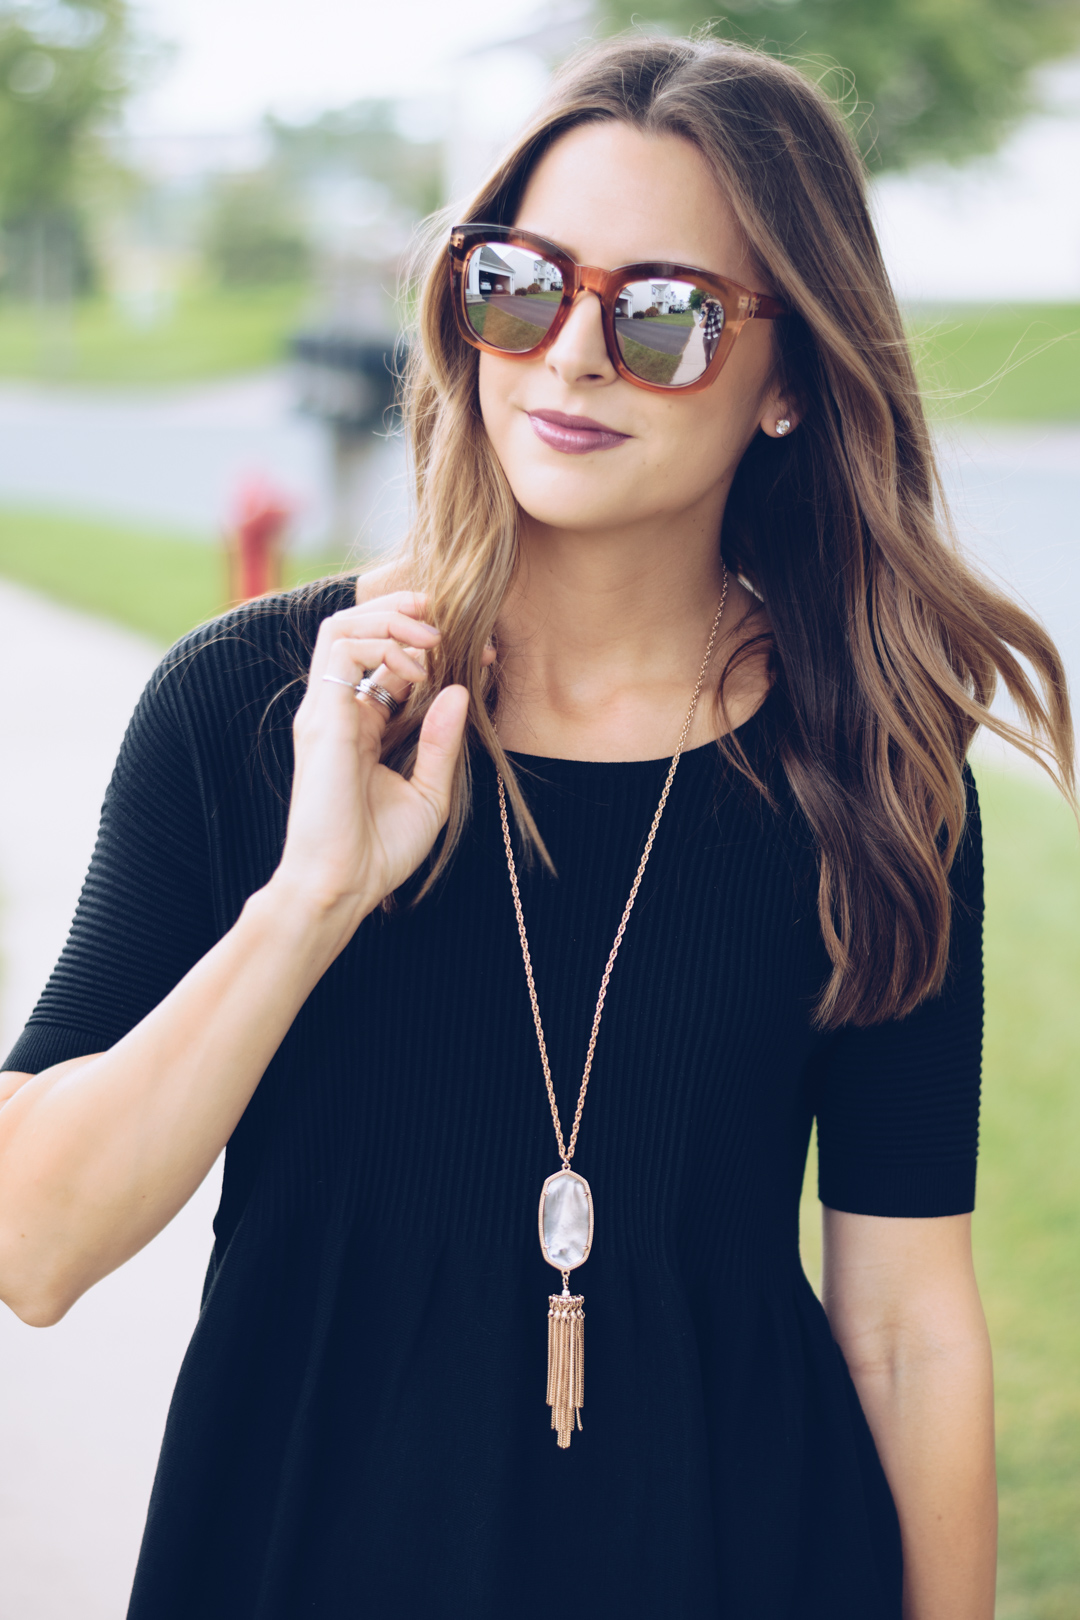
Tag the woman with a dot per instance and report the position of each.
(360, 975)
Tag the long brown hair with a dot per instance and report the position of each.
(886, 647)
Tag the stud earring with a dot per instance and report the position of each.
(783, 426)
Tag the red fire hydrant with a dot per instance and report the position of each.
(255, 542)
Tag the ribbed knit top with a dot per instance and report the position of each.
(359, 1427)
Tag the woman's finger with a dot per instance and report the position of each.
(336, 692)
(360, 656)
(397, 626)
(439, 748)
(385, 627)
(374, 621)
(399, 686)
(412, 603)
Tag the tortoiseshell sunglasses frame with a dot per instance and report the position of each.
(739, 303)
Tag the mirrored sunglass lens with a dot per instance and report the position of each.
(511, 296)
(667, 331)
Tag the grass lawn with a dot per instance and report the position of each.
(650, 363)
(1027, 1227)
(212, 332)
(1032, 350)
(160, 584)
(1028, 1224)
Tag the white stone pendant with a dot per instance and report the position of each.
(566, 1220)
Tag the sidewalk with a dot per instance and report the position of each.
(82, 1405)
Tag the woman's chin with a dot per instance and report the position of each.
(578, 499)
(582, 517)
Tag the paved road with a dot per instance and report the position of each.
(663, 337)
(1015, 496)
(174, 457)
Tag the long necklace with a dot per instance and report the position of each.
(566, 1202)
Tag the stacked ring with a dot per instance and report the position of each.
(369, 687)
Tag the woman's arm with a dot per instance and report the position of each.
(98, 1154)
(904, 1307)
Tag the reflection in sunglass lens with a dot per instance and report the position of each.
(511, 296)
(667, 331)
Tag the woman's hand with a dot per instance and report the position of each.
(356, 828)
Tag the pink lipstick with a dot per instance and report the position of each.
(574, 435)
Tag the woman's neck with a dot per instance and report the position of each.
(601, 640)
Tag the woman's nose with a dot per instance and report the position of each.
(579, 354)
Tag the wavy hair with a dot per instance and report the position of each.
(885, 647)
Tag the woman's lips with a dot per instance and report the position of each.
(574, 435)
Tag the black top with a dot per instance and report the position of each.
(359, 1428)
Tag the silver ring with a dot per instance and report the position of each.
(369, 687)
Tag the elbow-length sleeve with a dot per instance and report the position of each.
(145, 914)
(898, 1104)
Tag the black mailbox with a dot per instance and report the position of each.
(346, 381)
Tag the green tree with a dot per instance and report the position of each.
(252, 235)
(920, 79)
(363, 139)
(66, 67)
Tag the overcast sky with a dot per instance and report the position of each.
(1008, 227)
(235, 59)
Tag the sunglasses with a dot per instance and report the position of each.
(668, 327)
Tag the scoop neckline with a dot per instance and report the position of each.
(699, 752)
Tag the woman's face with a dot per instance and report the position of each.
(609, 195)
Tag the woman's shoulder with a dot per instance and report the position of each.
(271, 635)
(268, 635)
(261, 648)
(230, 686)
(235, 682)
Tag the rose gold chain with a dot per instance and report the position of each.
(567, 1153)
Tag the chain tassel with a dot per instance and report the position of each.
(566, 1318)
(566, 1363)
